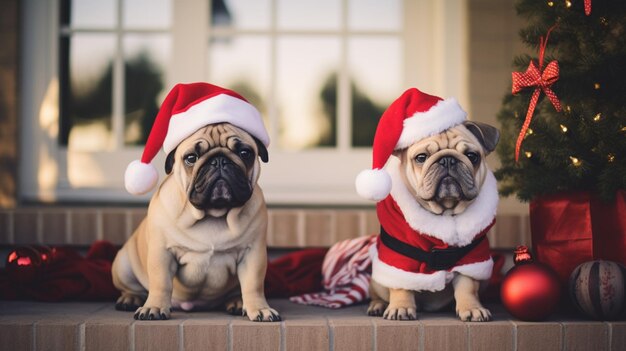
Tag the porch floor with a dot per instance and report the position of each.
(98, 326)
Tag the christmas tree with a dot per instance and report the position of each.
(577, 137)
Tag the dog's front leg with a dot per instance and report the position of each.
(161, 268)
(401, 305)
(468, 306)
(251, 273)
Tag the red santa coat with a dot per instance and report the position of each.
(404, 219)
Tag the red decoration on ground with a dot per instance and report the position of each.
(530, 290)
(597, 289)
(541, 80)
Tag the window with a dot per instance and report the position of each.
(320, 71)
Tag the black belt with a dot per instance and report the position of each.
(435, 259)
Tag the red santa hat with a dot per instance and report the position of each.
(187, 108)
(413, 116)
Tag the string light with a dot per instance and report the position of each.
(568, 109)
(596, 86)
(529, 131)
(623, 129)
(568, 4)
(516, 114)
(597, 117)
(528, 154)
(550, 3)
(604, 21)
(563, 128)
(575, 161)
(610, 157)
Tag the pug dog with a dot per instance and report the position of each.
(203, 241)
(433, 247)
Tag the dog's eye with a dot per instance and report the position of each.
(245, 154)
(191, 159)
(421, 158)
(473, 157)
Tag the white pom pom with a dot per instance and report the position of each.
(373, 184)
(140, 177)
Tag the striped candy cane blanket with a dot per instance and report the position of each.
(346, 272)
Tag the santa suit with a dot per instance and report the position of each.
(405, 220)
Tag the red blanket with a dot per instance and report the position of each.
(68, 276)
(62, 275)
(65, 275)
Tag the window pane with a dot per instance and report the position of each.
(242, 64)
(86, 103)
(376, 72)
(306, 89)
(375, 15)
(89, 13)
(242, 14)
(146, 60)
(309, 14)
(147, 13)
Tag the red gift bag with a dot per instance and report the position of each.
(572, 228)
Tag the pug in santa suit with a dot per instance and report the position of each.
(436, 201)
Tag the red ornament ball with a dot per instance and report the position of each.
(597, 289)
(530, 291)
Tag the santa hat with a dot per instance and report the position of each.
(413, 116)
(187, 108)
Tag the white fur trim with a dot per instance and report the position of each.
(392, 277)
(479, 270)
(218, 109)
(140, 178)
(445, 114)
(456, 230)
(373, 184)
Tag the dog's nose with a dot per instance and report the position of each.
(220, 161)
(447, 161)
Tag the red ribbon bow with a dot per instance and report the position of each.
(534, 77)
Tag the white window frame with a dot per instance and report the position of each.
(435, 60)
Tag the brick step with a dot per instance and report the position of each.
(97, 326)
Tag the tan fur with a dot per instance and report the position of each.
(403, 304)
(184, 254)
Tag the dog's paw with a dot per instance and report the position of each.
(474, 314)
(402, 313)
(376, 308)
(129, 302)
(234, 306)
(152, 313)
(266, 314)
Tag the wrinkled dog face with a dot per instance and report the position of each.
(445, 172)
(217, 166)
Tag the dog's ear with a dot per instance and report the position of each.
(486, 134)
(262, 150)
(169, 161)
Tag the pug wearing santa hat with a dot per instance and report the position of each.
(203, 241)
(436, 201)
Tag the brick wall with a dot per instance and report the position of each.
(288, 228)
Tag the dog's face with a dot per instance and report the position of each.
(445, 172)
(217, 167)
